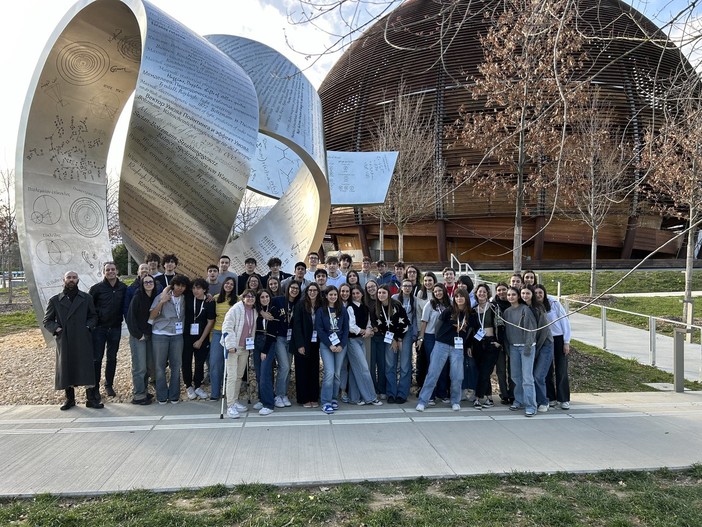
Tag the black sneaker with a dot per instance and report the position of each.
(391, 399)
(94, 404)
(142, 402)
(400, 400)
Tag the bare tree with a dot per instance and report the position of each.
(8, 229)
(251, 209)
(405, 128)
(673, 159)
(594, 171)
(532, 53)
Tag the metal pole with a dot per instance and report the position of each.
(679, 360)
(652, 340)
(604, 328)
(558, 292)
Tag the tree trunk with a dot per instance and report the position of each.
(381, 235)
(593, 263)
(400, 244)
(688, 306)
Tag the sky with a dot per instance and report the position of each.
(26, 26)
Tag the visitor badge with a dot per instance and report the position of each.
(179, 328)
(388, 337)
(249, 343)
(289, 337)
(334, 339)
(195, 328)
(314, 336)
(458, 343)
(479, 334)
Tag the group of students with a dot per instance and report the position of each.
(365, 327)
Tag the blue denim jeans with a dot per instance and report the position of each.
(168, 350)
(522, 371)
(442, 384)
(542, 362)
(216, 364)
(402, 358)
(331, 363)
(470, 373)
(104, 337)
(284, 359)
(377, 363)
(264, 369)
(439, 356)
(359, 374)
(141, 350)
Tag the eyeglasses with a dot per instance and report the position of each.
(249, 296)
(147, 282)
(406, 285)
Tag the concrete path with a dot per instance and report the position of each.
(122, 447)
(633, 343)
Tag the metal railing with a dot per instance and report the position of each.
(463, 267)
(652, 327)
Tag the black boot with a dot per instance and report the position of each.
(70, 399)
(92, 401)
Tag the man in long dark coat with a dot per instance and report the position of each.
(70, 317)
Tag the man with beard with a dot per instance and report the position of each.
(70, 317)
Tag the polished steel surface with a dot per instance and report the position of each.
(204, 111)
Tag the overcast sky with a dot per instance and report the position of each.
(26, 25)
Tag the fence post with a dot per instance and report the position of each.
(679, 360)
(652, 340)
(604, 328)
(558, 292)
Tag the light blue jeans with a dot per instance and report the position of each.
(359, 374)
(403, 359)
(168, 350)
(284, 359)
(522, 371)
(141, 352)
(439, 355)
(331, 363)
(543, 361)
(216, 364)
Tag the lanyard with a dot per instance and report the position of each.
(385, 315)
(249, 315)
(165, 277)
(265, 321)
(482, 321)
(461, 325)
(176, 305)
(288, 315)
(202, 306)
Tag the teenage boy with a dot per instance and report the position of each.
(345, 263)
(334, 276)
(214, 285)
(365, 273)
(249, 271)
(313, 259)
(170, 262)
(153, 260)
(449, 281)
(384, 276)
(299, 276)
(274, 266)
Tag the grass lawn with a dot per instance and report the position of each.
(617, 499)
(17, 321)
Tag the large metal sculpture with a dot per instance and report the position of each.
(210, 117)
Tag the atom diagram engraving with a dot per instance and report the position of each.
(82, 63)
(130, 48)
(86, 217)
(54, 252)
(46, 211)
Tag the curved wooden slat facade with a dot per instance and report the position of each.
(629, 60)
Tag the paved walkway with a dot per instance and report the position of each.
(633, 343)
(124, 447)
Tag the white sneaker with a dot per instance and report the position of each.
(258, 405)
(265, 411)
(286, 401)
(202, 394)
(232, 413)
(419, 407)
(543, 408)
(240, 407)
(191, 393)
(279, 403)
(553, 404)
(455, 407)
(565, 405)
